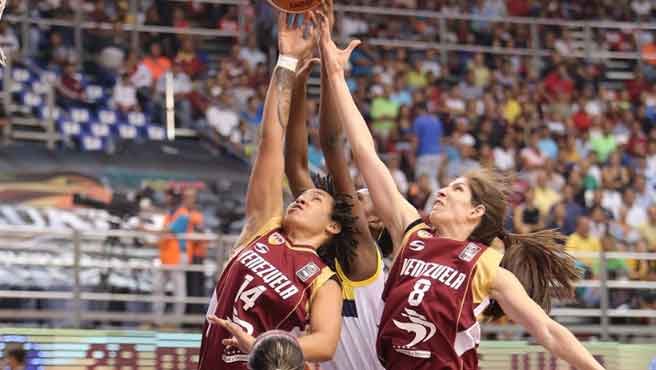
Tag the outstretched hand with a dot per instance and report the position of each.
(240, 339)
(294, 39)
(334, 59)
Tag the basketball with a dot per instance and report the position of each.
(295, 6)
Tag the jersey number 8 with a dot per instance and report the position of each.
(417, 295)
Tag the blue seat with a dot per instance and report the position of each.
(156, 133)
(92, 143)
(69, 128)
(107, 116)
(80, 115)
(100, 129)
(137, 119)
(128, 132)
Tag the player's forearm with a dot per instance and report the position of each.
(562, 343)
(296, 145)
(318, 347)
(355, 127)
(264, 195)
(277, 106)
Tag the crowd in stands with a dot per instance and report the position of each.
(582, 152)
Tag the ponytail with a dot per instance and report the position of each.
(541, 265)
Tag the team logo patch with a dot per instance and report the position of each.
(261, 248)
(307, 271)
(470, 251)
(416, 245)
(424, 234)
(276, 239)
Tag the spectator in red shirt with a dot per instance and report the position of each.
(559, 82)
(581, 119)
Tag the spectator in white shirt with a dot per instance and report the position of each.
(181, 84)
(222, 117)
(125, 94)
(251, 54)
(635, 214)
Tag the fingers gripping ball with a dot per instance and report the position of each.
(295, 6)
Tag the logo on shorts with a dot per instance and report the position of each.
(261, 248)
(470, 251)
(276, 239)
(424, 234)
(307, 271)
(422, 329)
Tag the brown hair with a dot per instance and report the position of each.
(538, 260)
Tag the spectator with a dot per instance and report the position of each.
(464, 160)
(527, 217)
(428, 132)
(242, 138)
(173, 252)
(384, 112)
(532, 157)
(15, 359)
(421, 194)
(605, 143)
(504, 155)
(125, 94)
(583, 241)
(251, 54)
(252, 113)
(181, 86)
(70, 92)
(197, 251)
(189, 59)
(8, 40)
(222, 116)
(156, 63)
(545, 197)
(648, 229)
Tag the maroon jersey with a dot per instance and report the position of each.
(429, 319)
(268, 284)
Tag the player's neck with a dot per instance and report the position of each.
(454, 231)
(301, 238)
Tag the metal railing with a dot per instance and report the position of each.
(77, 296)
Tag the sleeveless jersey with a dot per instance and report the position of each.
(268, 284)
(362, 307)
(432, 297)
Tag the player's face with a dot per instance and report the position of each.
(375, 224)
(311, 211)
(454, 205)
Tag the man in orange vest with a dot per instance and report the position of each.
(197, 250)
(174, 251)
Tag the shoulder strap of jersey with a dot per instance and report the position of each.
(361, 283)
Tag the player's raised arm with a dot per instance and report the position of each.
(520, 308)
(264, 195)
(332, 145)
(296, 141)
(393, 209)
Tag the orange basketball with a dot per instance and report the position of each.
(295, 6)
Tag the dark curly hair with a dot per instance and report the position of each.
(340, 247)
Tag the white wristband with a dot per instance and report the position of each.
(287, 62)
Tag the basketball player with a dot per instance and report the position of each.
(359, 268)
(275, 279)
(445, 277)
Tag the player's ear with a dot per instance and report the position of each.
(334, 228)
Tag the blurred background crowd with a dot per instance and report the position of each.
(578, 141)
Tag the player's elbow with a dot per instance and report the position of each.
(326, 353)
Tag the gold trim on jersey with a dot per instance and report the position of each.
(406, 236)
(360, 283)
(300, 249)
(485, 271)
(319, 281)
